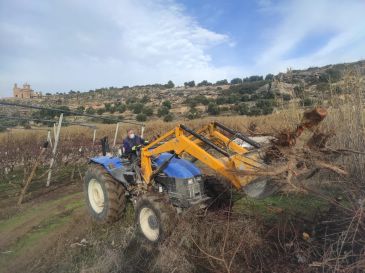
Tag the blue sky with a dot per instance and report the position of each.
(59, 45)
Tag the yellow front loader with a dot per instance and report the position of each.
(214, 146)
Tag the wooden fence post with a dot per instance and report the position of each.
(94, 136)
(57, 137)
(142, 131)
(32, 173)
(116, 134)
(49, 138)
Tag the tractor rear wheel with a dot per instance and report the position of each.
(105, 197)
(155, 217)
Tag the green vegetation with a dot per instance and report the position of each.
(80, 109)
(269, 77)
(204, 83)
(148, 111)
(167, 104)
(194, 101)
(213, 109)
(163, 111)
(222, 82)
(170, 84)
(141, 117)
(293, 205)
(189, 84)
(193, 113)
(236, 81)
(169, 117)
(90, 111)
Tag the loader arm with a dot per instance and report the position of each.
(232, 157)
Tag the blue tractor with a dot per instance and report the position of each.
(164, 179)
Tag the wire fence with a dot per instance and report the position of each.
(19, 154)
(17, 157)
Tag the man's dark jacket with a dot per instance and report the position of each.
(128, 143)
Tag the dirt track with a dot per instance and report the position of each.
(33, 231)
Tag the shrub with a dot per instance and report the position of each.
(163, 111)
(170, 84)
(145, 99)
(254, 78)
(107, 106)
(204, 83)
(169, 117)
(220, 100)
(307, 102)
(269, 77)
(221, 82)
(100, 111)
(90, 111)
(254, 111)
(148, 111)
(131, 100)
(193, 114)
(236, 81)
(246, 87)
(80, 109)
(189, 84)
(245, 97)
(167, 104)
(141, 117)
(213, 109)
(243, 109)
(192, 102)
(121, 108)
(137, 107)
(266, 106)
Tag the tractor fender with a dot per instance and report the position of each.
(113, 165)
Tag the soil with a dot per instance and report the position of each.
(36, 228)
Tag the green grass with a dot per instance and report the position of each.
(33, 211)
(75, 204)
(292, 205)
(32, 238)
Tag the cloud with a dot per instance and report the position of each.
(62, 45)
(299, 20)
(78, 44)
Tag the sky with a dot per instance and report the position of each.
(63, 45)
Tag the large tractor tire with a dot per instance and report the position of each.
(105, 197)
(155, 217)
(219, 191)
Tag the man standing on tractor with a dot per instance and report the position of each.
(131, 144)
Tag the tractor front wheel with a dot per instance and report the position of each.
(105, 197)
(219, 190)
(155, 217)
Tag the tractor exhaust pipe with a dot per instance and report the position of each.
(105, 145)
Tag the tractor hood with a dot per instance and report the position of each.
(177, 168)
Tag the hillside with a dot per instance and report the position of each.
(254, 95)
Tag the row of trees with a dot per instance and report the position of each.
(261, 107)
(136, 106)
(255, 78)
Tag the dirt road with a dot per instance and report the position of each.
(29, 234)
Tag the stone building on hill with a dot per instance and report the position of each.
(25, 93)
